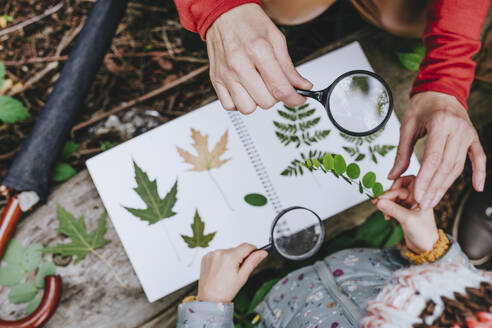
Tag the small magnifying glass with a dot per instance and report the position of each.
(297, 233)
(358, 102)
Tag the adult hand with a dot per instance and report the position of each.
(224, 272)
(250, 65)
(418, 225)
(450, 137)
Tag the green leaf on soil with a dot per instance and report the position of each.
(12, 110)
(22, 293)
(33, 305)
(11, 274)
(63, 172)
(45, 269)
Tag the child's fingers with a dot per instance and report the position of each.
(389, 207)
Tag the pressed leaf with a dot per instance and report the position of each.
(12, 110)
(369, 179)
(339, 164)
(255, 199)
(199, 239)
(63, 172)
(14, 252)
(157, 208)
(22, 293)
(377, 189)
(328, 162)
(69, 149)
(45, 269)
(32, 257)
(353, 171)
(11, 274)
(205, 160)
(82, 242)
(33, 305)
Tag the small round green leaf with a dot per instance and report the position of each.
(255, 199)
(377, 189)
(63, 172)
(11, 275)
(32, 257)
(328, 162)
(316, 163)
(369, 179)
(33, 305)
(353, 171)
(45, 269)
(339, 164)
(14, 252)
(22, 293)
(309, 163)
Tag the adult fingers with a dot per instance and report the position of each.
(224, 96)
(394, 210)
(478, 160)
(281, 52)
(408, 131)
(448, 168)
(242, 251)
(402, 182)
(242, 100)
(432, 159)
(251, 262)
(393, 195)
(273, 76)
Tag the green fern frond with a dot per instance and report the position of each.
(290, 128)
(307, 113)
(290, 117)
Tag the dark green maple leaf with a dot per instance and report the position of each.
(82, 242)
(157, 208)
(198, 239)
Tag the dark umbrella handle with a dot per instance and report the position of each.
(33, 166)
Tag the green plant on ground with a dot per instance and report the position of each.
(411, 60)
(63, 170)
(11, 109)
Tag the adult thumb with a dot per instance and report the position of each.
(389, 207)
(251, 262)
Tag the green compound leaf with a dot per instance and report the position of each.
(395, 237)
(45, 269)
(353, 171)
(69, 149)
(157, 208)
(255, 199)
(198, 239)
(369, 179)
(82, 242)
(316, 163)
(33, 305)
(339, 165)
(328, 162)
(12, 110)
(14, 252)
(63, 172)
(32, 257)
(377, 189)
(22, 293)
(11, 274)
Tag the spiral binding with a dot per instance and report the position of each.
(255, 159)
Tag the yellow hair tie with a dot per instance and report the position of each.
(440, 248)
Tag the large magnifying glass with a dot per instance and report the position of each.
(358, 102)
(297, 233)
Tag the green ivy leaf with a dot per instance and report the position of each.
(12, 110)
(328, 162)
(69, 149)
(369, 179)
(395, 237)
(410, 61)
(32, 257)
(14, 252)
(255, 199)
(45, 269)
(353, 171)
(33, 305)
(377, 189)
(63, 172)
(339, 165)
(11, 275)
(22, 293)
(261, 293)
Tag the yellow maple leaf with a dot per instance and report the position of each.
(205, 160)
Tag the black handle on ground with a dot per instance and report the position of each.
(33, 166)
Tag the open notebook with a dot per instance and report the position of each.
(205, 164)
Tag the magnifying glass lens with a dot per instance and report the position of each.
(298, 234)
(359, 103)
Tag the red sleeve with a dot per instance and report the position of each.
(451, 38)
(198, 15)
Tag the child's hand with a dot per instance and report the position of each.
(224, 272)
(419, 226)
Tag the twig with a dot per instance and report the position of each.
(90, 151)
(152, 8)
(146, 96)
(38, 76)
(68, 38)
(32, 20)
(10, 154)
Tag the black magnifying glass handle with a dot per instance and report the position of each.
(317, 95)
(265, 248)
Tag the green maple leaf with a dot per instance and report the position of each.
(198, 239)
(157, 208)
(82, 242)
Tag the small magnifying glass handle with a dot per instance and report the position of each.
(265, 248)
